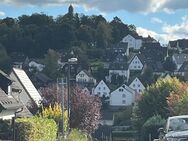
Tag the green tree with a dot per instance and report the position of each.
(153, 100)
(51, 63)
(150, 128)
(169, 65)
(5, 61)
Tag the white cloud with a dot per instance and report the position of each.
(178, 29)
(2, 13)
(156, 20)
(143, 6)
(169, 32)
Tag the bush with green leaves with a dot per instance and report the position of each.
(36, 129)
(77, 135)
(151, 126)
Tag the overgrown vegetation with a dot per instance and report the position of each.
(36, 129)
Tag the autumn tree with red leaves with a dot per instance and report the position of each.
(85, 109)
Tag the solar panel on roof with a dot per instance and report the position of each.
(28, 85)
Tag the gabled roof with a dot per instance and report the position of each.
(180, 58)
(184, 67)
(103, 83)
(27, 85)
(128, 88)
(118, 66)
(140, 57)
(182, 43)
(130, 82)
(86, 72)
(151, 44)
(8, 102)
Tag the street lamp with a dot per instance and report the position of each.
(71, 61)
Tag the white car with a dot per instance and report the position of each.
(176, 129)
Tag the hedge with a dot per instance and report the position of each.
(36, 129)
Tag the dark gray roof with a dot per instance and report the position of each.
(181, 58)
(42, 77)
(184, 67)
(107, 115)
(151, 44)
(141, 57)
(182, 43)
(8, 102)
(118, 66)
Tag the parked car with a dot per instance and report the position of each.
(176, 129)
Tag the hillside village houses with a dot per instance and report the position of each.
(101, 89)
(137, 85)
(122, 96)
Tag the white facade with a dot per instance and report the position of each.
(137, 85)
(132, 42)
(102, 89)
(123, 96)
(82, 77)
(136, 64)
(35, 66)
(125, 73)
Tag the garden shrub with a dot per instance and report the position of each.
(151, 126)
(55, 112)
(35, 129)
(77, 135)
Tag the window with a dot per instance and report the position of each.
(99, 88)
(140, 90)
(123, 95)
(105, 93)
(104, 88)
(98, 93)
(138, 85)
(120, 90)
(123, 102)
(133, 85)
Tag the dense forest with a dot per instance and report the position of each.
(33, 35)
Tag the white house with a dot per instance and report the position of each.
(120, 69)
(29, 93)
(35, 66)
(86, 91)
(122, 96)
(85, 77)
(137, 85)
(136, 63)
(133, 42)
(179, 59)
(101, 89)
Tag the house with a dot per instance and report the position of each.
(134, 42)
(34, 66)
(183, 70)
(179, 59)
(101, 89)
(122, 96)
(85, 77)
(107, 118)
(179, 44)
(8, 106)
(119, 69)
(19, 60)
(136, 63)
(117, 51)
(29, 93)
(154, 51)
(137, 85)
(86, 91)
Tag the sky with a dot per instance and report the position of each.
(162, 19)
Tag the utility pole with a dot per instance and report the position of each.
(61, 82)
